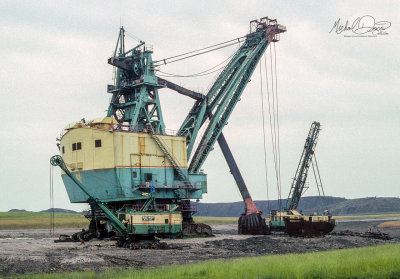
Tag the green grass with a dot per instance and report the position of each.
(40, 220)
(368, 262)
(390, 224)
(370, 216)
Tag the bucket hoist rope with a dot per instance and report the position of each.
(272, 122)
(270, 116)
(277, 121)
(274, 125)
(264, 138)
(277, 132)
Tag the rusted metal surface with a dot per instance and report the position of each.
(304, 227)
(82, 236)
(196, 229)
(252, 224)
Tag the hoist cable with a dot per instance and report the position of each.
(316, 181)
(319, 176)
(51, 210)
(133, 36)
(193, 55)
(201, 49)
(264, 137)
(277, 121)
(270, 120)
(195, 75)
(320, 182)
(50, 195)
(274, 134)
(202, 73)
(274, 117)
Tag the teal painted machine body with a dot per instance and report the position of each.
(118, 184)
(135, 107)
(148, 223)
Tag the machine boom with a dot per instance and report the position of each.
(300, 177)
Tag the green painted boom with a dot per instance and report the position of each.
(226, 91)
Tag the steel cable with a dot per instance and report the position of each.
(264, 137)
(273, 128)
(133, 36)
(316, 181)
(202, 73)
(197, 50)
(51, 209)
(277, 121)
(190, 56)
(320, 182)
(194, 75)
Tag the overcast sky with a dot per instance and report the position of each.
(54, 71)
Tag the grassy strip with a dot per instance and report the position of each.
(371, 216)
(16, 215)
(390, 224)
(40, 220)
(367, 262)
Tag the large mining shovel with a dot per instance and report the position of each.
(250, 222)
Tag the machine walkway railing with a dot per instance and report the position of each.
(170, 156)
(161, 207)
(176, 185)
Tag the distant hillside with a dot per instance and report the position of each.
(17, 210)
(367, 205)
(337, 206)
(60, 210)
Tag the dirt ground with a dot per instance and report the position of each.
(33, 251)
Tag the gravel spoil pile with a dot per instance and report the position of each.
(34, 251)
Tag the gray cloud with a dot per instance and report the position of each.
(54, 72)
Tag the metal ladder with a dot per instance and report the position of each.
(170, 157)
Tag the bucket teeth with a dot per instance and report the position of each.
(252, 224)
